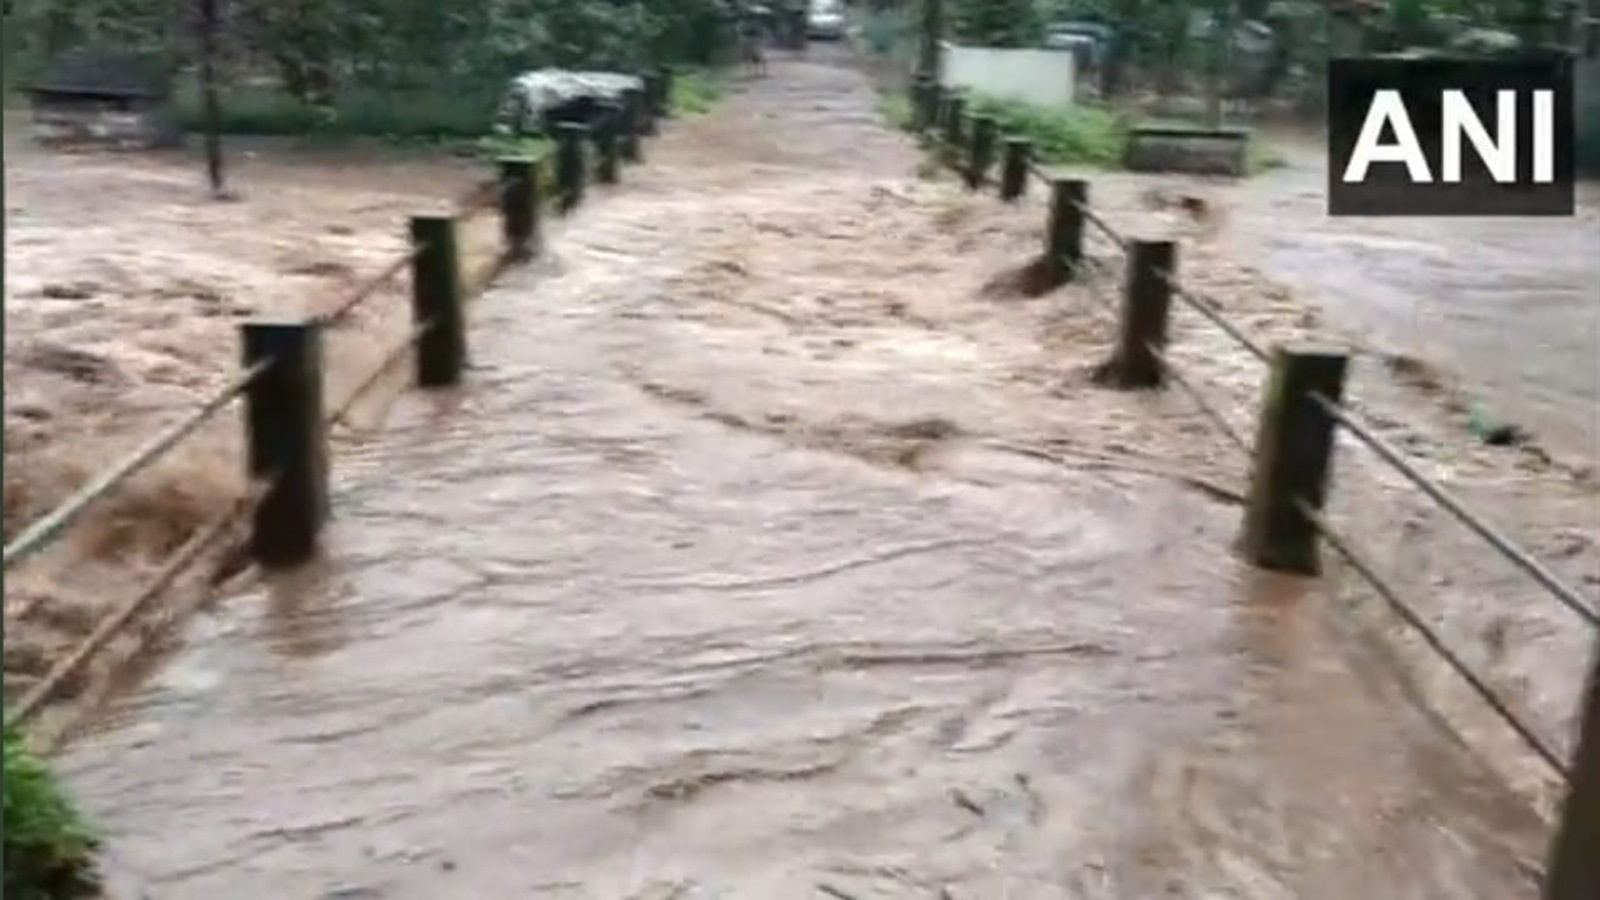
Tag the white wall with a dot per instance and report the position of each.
(1041, 77)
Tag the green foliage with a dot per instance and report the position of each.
(896, 109)
(403, 67)
(268, 110)
(49, 852)
(495, 146)
(694, 91)
(1082, 135)
(995, 23)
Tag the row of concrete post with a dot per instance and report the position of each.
(285, 422)
(1295, 435)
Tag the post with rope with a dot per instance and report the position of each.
(570, 138)
(1063, 243)
(519, 207)
(1573, 870)
(1014, 169)
(645, 121)
(923, 97)
(1293, 456)
(1146, 308)
(605, 143)
(436, 303)
(980, 150)
(628, 126)
(287, 439)
(652, 102)
(955, 111)
(663, 99)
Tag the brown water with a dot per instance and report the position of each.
(777, 548)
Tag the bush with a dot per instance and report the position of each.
(405, 115)
(1082, 135)
(49, 852)
(694, 91)
(399, 114)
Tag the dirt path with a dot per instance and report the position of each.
(741, 569)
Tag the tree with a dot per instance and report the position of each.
(209, 26)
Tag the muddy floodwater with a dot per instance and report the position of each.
(779, 546)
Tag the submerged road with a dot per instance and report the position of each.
(689, 593)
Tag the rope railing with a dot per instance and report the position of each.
(369, 289)
(50, 526)
(283, 377)
(1303, 410)
(1369, 573)
(340, 414)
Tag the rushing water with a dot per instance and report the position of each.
(687, 594)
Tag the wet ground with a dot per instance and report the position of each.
(779, 547)
(1471, 295)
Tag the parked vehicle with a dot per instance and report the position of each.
(825, 20)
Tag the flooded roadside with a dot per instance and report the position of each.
(779, 547)
(1510, 306)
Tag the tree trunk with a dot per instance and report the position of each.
(213, 104)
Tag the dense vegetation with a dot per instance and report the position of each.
(1274, 52)
(48, 850)
(407, 67)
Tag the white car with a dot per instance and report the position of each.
(825, 21)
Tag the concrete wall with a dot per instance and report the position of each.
(1040, 77)
(103, 125)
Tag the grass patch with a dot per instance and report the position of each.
(503, 143)
(694, 92)
(1082, 135)
(49, 851)
(895, 108)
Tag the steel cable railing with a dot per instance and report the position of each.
(1343, 416)
(45, 529)
(521, 236)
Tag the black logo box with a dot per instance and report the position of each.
(1388, 189)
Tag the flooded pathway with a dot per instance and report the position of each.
(720, 580)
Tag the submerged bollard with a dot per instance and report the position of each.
(980, 150)
(922, 112)
(605, 143)
(570, 138)
(1014, 171)
(1063, 245)
(436, 302)
(628, 126)
(519, 207)
(1573, 870)
(287, 439)
(1146, 306)
(1293, 456)
(955, 110)
(650, 103)
(663, 100)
